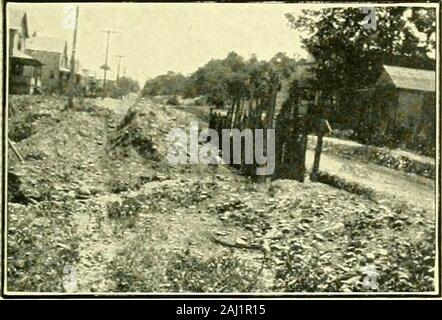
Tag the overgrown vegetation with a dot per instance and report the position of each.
(348, 186)
(401, 263)
(42, 241)
(226, 273)
(150, 270)
(381, 156)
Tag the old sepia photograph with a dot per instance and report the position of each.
(241, 149)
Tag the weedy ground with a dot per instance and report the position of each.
(97, 194)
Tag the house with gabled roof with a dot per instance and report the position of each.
(407, 97)
(24, 69)
(53, 53)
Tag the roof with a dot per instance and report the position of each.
(26, 59)
(15, 19)
(46, 44)
(411, 79)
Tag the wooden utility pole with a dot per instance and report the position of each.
(119, 64)
(72, 78)
(105, 67)
(318, 150)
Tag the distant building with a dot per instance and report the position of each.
(400, 105)
(53, 53)
(407, 98)
(24, 69)
(89, 82)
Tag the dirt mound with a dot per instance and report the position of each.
(27, 114)
(145, 128)
(100, 197)
(60, 155)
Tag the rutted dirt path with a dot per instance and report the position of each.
(97, 248)
(99, 244)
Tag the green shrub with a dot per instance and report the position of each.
(342, 184)
(410, 265)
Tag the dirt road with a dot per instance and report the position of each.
(392, 184)
(397, 152)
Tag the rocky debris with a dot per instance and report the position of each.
(238, 243)
(58, 152)
(113, 210)
(128, 207)
(42, 241)
(83, 192)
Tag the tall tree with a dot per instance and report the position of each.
(347, 53)
(350, 57)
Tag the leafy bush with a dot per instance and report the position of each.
(382, 157)
(225, 273)
(340, 183)
(403, 263)
(306, 272)
(224, 81)
(166, 84)
(410, 265)
(153, 270)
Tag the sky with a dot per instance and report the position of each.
(157, 38)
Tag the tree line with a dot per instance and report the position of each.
(122, 87)
(226, 82)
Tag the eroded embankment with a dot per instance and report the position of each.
(102, 199)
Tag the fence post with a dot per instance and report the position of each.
(318, 150)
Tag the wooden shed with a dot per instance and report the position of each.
(405, 101)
